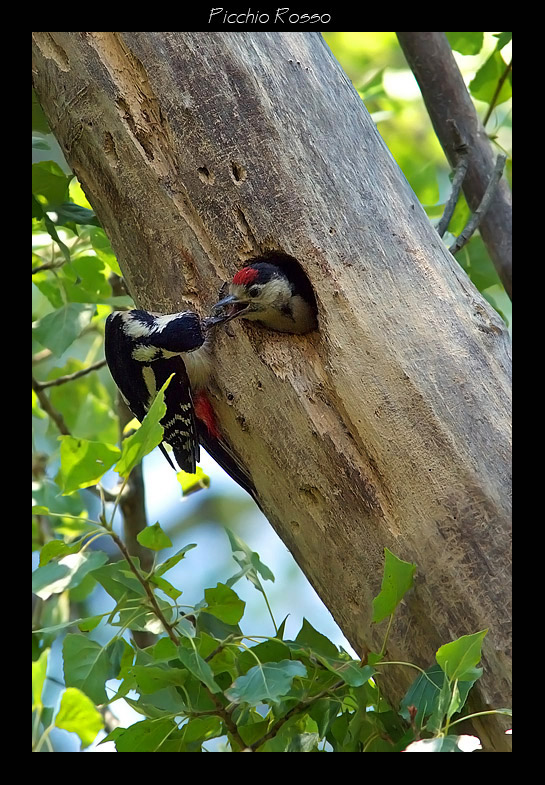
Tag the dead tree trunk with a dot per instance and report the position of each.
(387, 427)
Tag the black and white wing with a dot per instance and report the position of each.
(139, 370)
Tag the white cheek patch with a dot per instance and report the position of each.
(276, 292)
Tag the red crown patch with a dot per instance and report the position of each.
(245, 276)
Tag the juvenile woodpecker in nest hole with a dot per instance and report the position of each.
(142, 350)
(273, 291)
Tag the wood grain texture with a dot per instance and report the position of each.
(387, 427)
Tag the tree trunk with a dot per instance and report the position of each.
(389, 426)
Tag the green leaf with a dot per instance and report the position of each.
(172, 561)
(166, 587)
(154, 538)
(39, 121)
(200, 729)
(423, 695)
(249, 562)
(147, 437)
(78, 714)
(56, 577)
(266, 682)
(503, 39)
(396, 581)
(191, 483)
(350, 672)
(89, 624)
(85, 280)
(224, 603)
(323, 712)
(151, 678)
(440, 708)
(145, 736)
(317, 642)
(485, 83)
(198, 667)
(85, 404)
(268, 651)
(39, 144)
(83, 462)
(103, 249)
(39, 668)
(164, 650)
(119, 581)
(58, 330)
(466, 43)
(52, 230)
(68, 213)
(88, 666)
(49, 180)
(56, 548)
(459, 658)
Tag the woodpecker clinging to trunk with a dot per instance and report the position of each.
(142, 350)
(273, 291)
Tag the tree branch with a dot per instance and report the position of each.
(481, 210)
(46, 405)
(133, 510)
(499, 86)
(430, 58)
(457, 181)
(70, 377)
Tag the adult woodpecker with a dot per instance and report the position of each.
(274, 291)
(142, 350)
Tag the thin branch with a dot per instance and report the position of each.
(39, 357)
(221, 711)
(70, 377)
(446, 96)
(133, 510)
(169, 628)
(497, 91)
(460, 172)
(302, 704)
(45, 403)
(53, 265)
(58, 419)
(479, 213)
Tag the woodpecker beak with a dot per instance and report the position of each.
(232, 307)
(213, 321)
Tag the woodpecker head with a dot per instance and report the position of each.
(280, 297)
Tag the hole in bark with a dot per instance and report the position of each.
(292, 269)
(205, 175)
(239, 172)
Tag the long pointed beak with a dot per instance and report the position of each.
(229, 308)
(231, 299)
(212, 321)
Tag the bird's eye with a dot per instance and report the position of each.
(253, 291)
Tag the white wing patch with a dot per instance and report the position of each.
(143, 353)
(151, 386)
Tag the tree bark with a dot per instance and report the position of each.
(389, 426)
(447, 99)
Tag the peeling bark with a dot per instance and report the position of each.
(389, 426)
